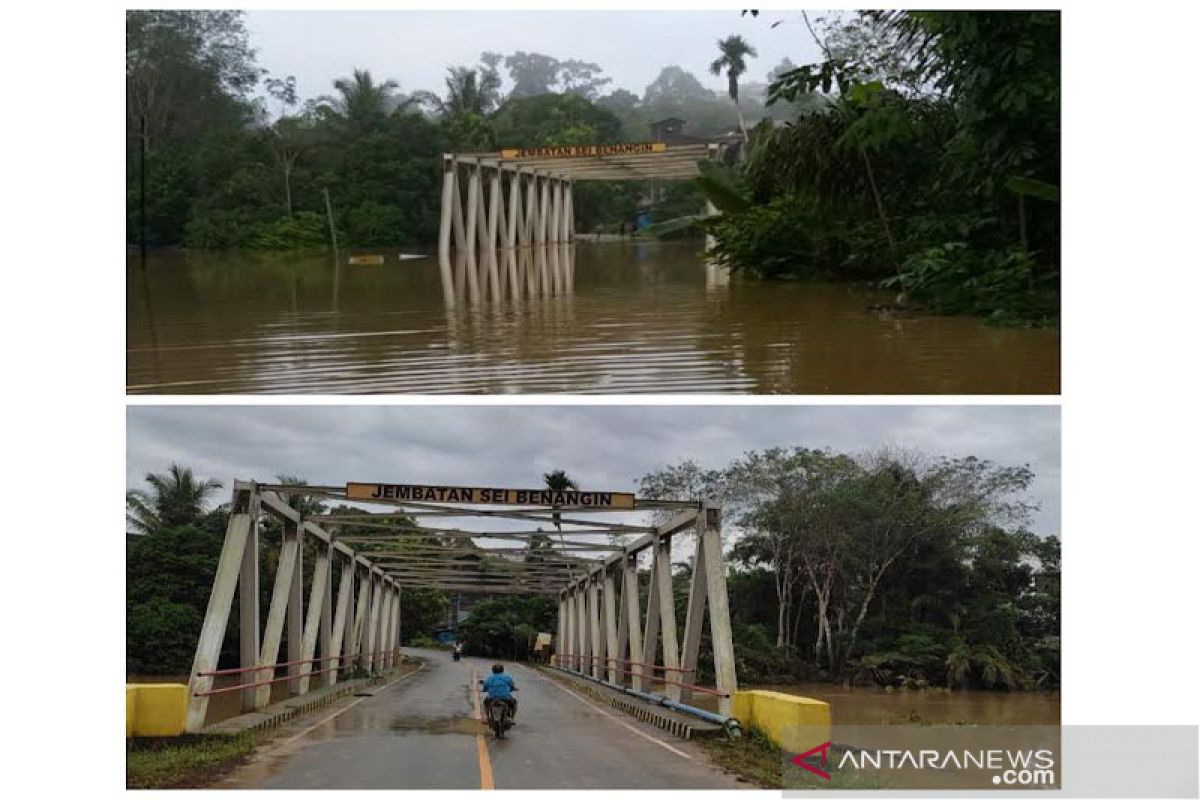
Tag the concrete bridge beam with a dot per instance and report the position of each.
(631, 601)
(248, 607)
(312, 624)
(289, 554)
(694, 624)
(721, 629)
(220, 602)
(295, 615)
(610, 626)
(666, 613)
(341, 617)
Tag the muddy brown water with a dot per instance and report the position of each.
(594, 318)
(872, 706)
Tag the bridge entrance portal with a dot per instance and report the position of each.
(590, 550)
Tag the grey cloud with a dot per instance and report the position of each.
(606, 447)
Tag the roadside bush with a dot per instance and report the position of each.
(428, 643)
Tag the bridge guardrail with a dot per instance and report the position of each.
(575, 659)
(349, 663)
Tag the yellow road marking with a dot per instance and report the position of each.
(485, 764)
(622, 723)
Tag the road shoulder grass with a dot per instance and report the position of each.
(184, 762)
(752, 757)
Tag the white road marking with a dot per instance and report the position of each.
(604, 713)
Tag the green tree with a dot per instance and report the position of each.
(507, 626)
(559, 481)
(676, 84)
(532, 73)
(581, 78)
(732, 61)
(553, 119)
(186, 71)
(176, 498)
(169, 575)
(362, 104)
(424, 612)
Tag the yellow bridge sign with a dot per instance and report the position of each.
(584, 150)
(393, 492)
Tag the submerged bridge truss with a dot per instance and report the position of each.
(525, 197)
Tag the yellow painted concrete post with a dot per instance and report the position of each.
(130, 709)
(158, 709)
(794, 723)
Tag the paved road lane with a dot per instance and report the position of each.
(422, 734)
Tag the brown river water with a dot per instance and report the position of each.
(593, 318)
(873, 706)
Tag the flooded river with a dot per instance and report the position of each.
(874, 706)
(594, 318)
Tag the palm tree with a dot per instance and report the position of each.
(470, 92)
(732, 62)
(558, 480)
(175, 499)
(362, 102)
(308, 505)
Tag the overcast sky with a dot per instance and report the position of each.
(602, 447)
(416, 47)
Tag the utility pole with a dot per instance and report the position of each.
(142, 182)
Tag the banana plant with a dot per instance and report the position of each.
(722, 186)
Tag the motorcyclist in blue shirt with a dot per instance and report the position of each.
(500, 686)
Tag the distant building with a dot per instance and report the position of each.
(670, 130)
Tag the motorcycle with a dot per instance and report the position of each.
(499, 714)
(457, 655)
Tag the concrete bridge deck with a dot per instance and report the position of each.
(421, 733)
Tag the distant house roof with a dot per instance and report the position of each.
(670, 130)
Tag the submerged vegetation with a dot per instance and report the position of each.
(926, 158)
(920, 153)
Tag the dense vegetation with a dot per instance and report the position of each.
(886, 569)
(236, 159)
(926, 157)
(171, 557)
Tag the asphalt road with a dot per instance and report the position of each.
(423, 733)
